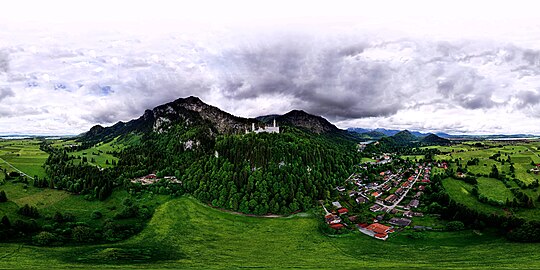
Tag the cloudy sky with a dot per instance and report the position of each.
(451, 66)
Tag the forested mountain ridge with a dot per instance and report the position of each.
(217, 158)
(191, 111)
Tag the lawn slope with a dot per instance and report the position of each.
(187, 234)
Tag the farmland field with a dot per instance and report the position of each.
(24, 155)
(461, 192)
(494, 189)
(187, 234)
(49, 201)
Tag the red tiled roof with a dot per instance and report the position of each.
(336, 226)
(378, 228)
(380, 235)
(343, 210)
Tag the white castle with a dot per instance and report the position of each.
(272, 129)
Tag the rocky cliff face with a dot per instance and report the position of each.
(192, 111)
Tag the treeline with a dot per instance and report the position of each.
(439, 202)
(61, 228)
(64, 174)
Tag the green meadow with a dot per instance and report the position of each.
(100, 154)
(24, 155)
(187, 234)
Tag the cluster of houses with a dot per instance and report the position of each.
(152, 178)
(387, 194)
(333, 219)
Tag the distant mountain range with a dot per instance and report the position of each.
(378, 133)
(391, 132)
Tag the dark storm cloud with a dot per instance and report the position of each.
(323, 80)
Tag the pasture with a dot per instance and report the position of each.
(23, 155)
(100, 154)
(189, 235)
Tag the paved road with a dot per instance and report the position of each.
(404, 194)
(15, 168)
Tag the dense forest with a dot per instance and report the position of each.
(251, 173)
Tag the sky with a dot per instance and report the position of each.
(435, 66)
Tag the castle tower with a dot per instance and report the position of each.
(274, 122)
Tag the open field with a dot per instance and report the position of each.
(49, 201)
(24, 155)
(413, 157)
(461, 192)
(494, 189)
(100, 153)
(187, 234)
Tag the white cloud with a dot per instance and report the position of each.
(452, 66)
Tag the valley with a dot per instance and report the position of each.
(165, 191)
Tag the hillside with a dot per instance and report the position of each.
(188, 139)
(212, 239)
(435, 140)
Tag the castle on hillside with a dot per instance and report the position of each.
(272, 129)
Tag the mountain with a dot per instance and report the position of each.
(392, 132)
(434, 139)
(301, 119)
(191, 111)
(374, 134)
(404, 137)
(188, 139)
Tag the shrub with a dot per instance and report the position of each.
(455, 226)
(29, 211)
(44, 238)
(82, 234)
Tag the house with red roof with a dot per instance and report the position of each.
(343, 210)
(376, 230)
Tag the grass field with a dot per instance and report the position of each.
(413, 157)
(187, 234)
(461, 192)
(24, 155)
(49, 201)
(100, 154)
(494, 189)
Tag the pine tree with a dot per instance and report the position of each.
(5, 222)
(3, 196)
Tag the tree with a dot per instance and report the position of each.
(3, 196)
(82, 234)
(5, 222)
(58, 217)
(455, 226)
(29, 211)
(44, 238)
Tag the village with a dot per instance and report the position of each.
(153, 178)
(384, 201)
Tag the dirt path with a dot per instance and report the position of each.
(15, 168)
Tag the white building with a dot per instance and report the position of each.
(272, 129)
